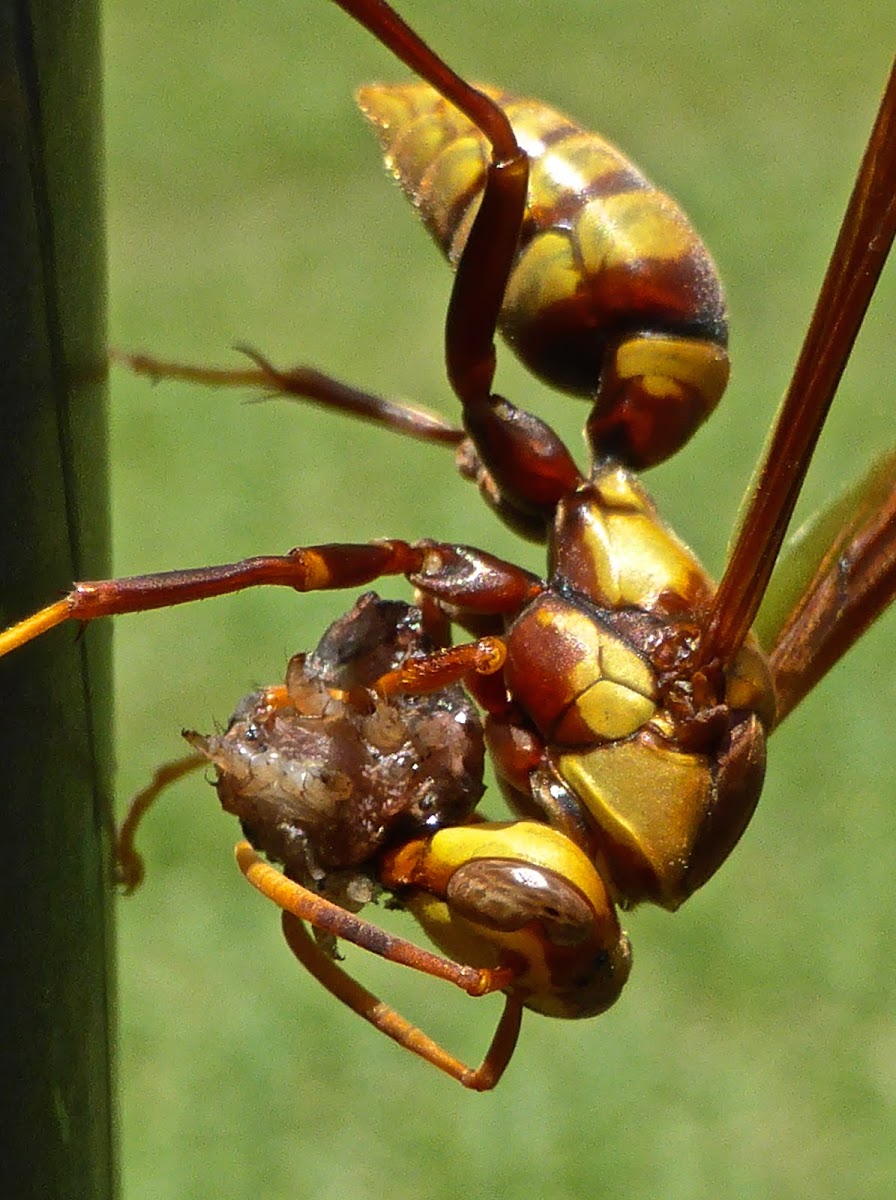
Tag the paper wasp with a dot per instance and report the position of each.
(694, 727)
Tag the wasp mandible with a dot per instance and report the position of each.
(626, 702)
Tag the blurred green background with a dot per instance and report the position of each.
(754, 1052)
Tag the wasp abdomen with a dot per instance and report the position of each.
(613, 296)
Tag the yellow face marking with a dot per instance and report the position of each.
(602, 654)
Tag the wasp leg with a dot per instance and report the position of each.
(522, 466)
(32, 627)
(331, 918)
(384, 1018)
(842, 575)
(443, 667)
(457, 576)
(436, 621)
(304, 383)
(527, 465)
(305, 569)
(439, 669)
(531, 438)
(129, 869)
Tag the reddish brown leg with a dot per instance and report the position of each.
(527, 468)
(384, 1018)
(459, 576)
(330, 918)
(436, 621)
(304, 383)
(444, 667)
(128, 860)
(522, 467)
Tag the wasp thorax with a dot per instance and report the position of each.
(609, 543)
(579, 681)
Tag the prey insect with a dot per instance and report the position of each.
(627, 705)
